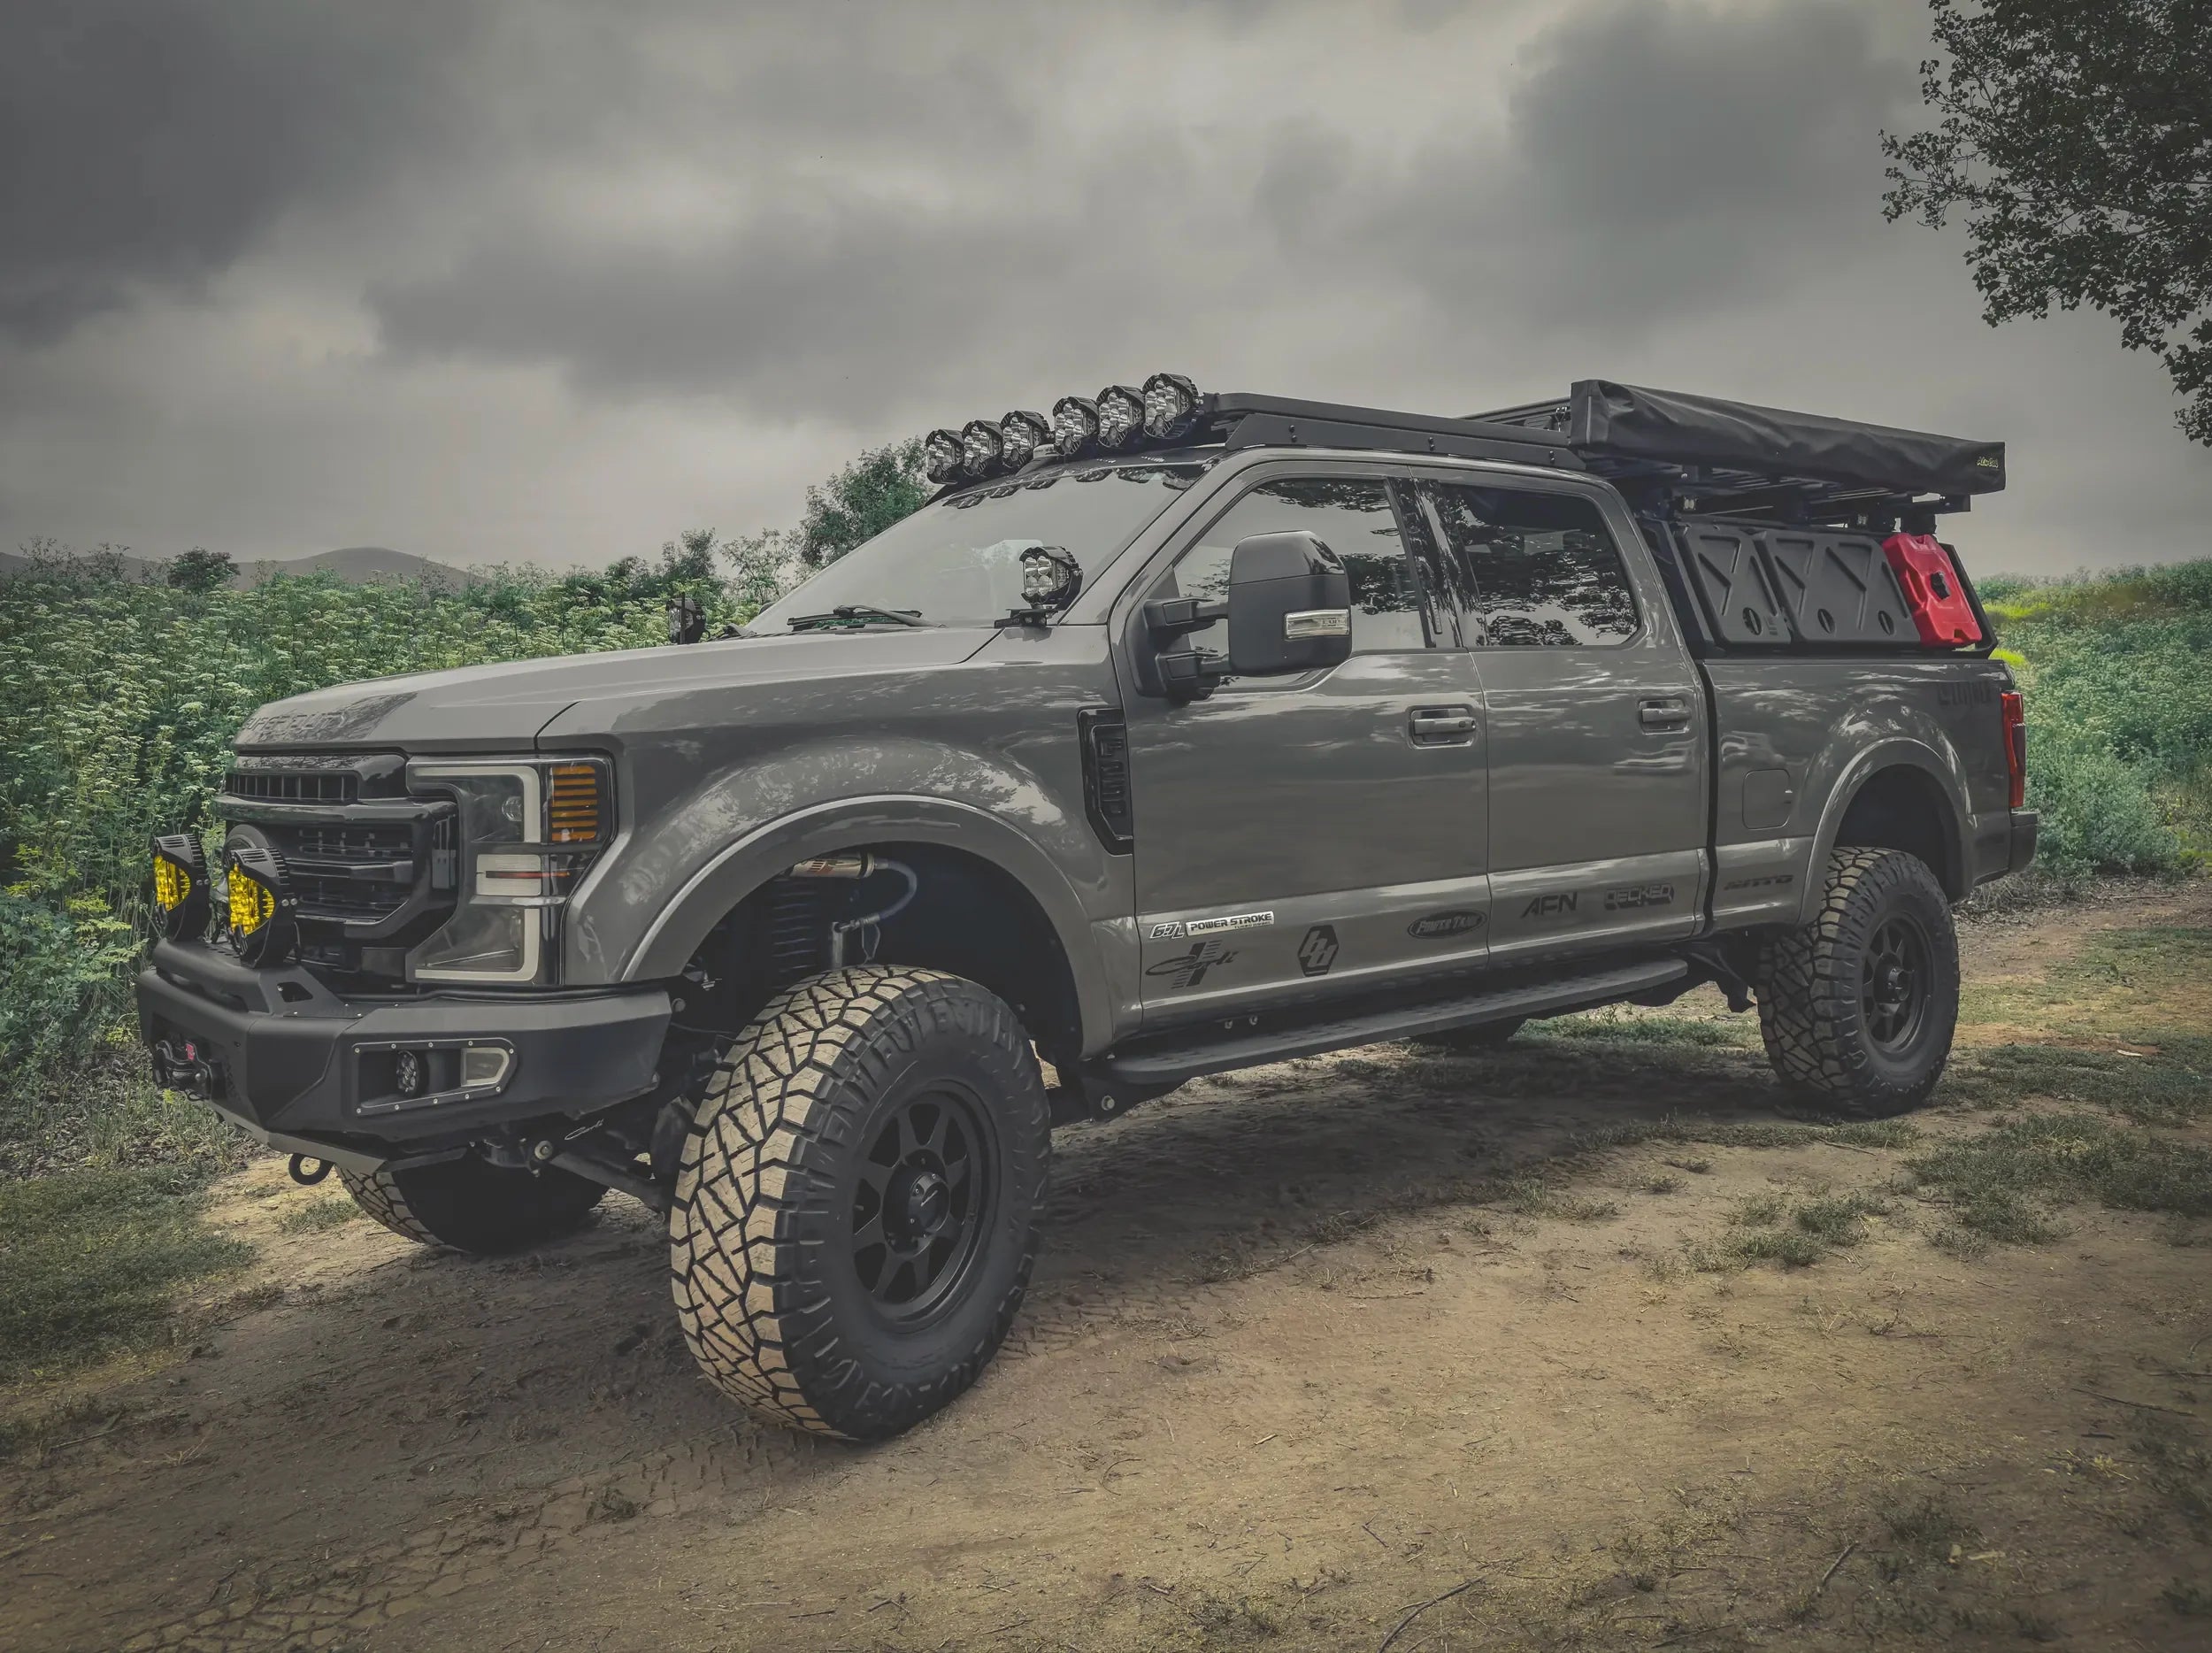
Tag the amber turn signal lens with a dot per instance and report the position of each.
(575, 812)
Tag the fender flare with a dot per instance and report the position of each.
(1942, 768)
(751, 860)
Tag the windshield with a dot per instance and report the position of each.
(958, 562)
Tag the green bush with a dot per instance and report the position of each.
(2118, 671)
(119, 702)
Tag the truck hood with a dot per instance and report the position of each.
(477, 707)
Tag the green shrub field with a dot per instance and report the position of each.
(118, 701)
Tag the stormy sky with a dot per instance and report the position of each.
(549, 281)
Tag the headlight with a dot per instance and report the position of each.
(1170, 406)
(1019, 436)
(979, 447)
(259, 905)
(528, 829)
(1120, 416)
(941, 457)
(1074, 426)
(180, 887)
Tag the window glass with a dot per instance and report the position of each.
(1534, 570)
(958, 562)
(1352, 517)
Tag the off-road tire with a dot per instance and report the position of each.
(1476, 1041)
(1814, 988)
(782, 1297)
(473, 1205)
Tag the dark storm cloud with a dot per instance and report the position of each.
(1656, 161)
(156, 143)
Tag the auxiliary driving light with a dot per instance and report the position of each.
(180, 887)
(1019, 436)
(1050, 577)
(1120, 416)
(1074, 426)
(941, 457)
(979, 447)
(261, 905)
(1170, 406)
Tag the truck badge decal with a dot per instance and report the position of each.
(1546, 906)
(1187, 970)
(1639, 896)
(1435, 926)
(1234, 922)
(1776, 880)
(1164, 933)
(1318, 951)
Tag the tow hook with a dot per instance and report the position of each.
(302, 1175)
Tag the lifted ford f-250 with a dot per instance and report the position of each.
(1177, 733)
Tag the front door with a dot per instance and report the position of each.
(1324, 829)
(1597, 765)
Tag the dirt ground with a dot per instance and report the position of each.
(1384, 1350)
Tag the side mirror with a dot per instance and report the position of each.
(687, 621)
(1290, 606)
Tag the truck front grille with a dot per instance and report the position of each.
(375, 869)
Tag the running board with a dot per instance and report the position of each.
(1163, 1066)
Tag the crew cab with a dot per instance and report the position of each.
(1178, 733)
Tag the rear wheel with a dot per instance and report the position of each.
(1858, 1007)
(473, 1205)
(856, 1212)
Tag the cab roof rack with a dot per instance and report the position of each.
(1673, 455)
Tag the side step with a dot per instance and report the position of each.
(1163, 1066)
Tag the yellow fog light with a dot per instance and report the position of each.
(181, 900)
(259, 919)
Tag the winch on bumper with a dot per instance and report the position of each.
(363, 1081)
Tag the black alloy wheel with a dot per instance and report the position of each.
(922, 1203)
(1894, 982)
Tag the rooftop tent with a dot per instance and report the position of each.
(1626, 422)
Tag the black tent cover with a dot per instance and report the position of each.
(1626, 422)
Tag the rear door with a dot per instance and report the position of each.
(1596, 756)
(1322, 830)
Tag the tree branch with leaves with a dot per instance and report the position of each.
(2073, 140)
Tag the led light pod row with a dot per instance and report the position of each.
(1111, 422)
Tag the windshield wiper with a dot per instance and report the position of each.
(856, 614)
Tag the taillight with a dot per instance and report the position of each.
(2015, 725)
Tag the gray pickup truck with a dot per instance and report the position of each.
(1177, 733)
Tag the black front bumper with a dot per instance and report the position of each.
(305, 1070)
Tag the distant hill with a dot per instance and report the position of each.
(354, 564)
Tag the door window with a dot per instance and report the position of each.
(1353, 517)
(1531, 569)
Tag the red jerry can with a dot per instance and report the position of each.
(1933, 591)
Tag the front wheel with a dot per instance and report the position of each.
(856, 1212)
(1858, 1007)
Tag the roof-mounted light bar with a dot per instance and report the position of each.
(1120, 419)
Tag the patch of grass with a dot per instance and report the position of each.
(89, 1261)
(1696, 1164)
(1618, 1027)
(103, 1112)
(1995, 1177)
(1661, 1184)
(1532, 1197)
(2169, 1082)
(1837, 1222)
(1759, 1210)
(1786, 1246)
(314, 1216)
